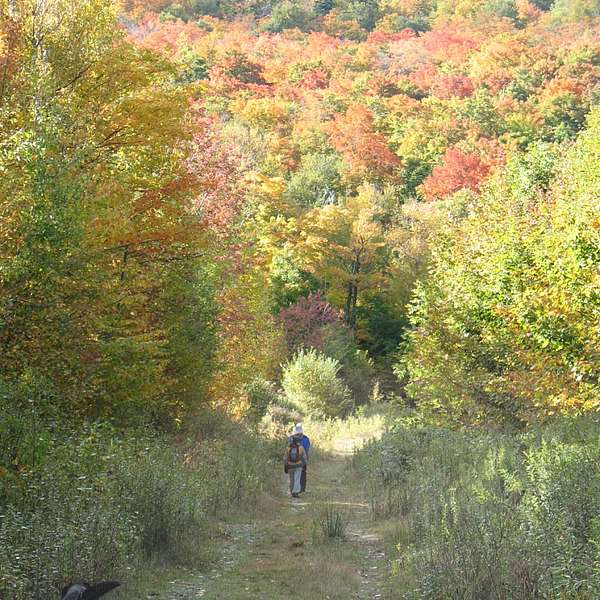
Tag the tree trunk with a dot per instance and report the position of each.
(352, 293)
(124, 264)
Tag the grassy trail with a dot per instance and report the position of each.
(280, 553)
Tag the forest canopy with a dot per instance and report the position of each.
(195, 194)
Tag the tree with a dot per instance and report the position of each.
(505, 326)
(544, 4)
(98, 226)
(575, 10)
(364, 149)
(316, 182)
(287, 15)
(365, 12)
(322, 7)
(305, 322)
(458, 170)
(342, 244)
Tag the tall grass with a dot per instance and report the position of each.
(491, 516)
(332, 523)
(350, 433)
(98, 503)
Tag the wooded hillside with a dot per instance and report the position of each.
(193, 192)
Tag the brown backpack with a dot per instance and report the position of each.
(294, 453)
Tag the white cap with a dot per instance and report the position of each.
(298, 428)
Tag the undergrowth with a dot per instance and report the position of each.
(99, 503)
(346, 434)
(476, 514)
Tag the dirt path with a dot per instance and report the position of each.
(281, 553)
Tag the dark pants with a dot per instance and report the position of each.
(303, 479)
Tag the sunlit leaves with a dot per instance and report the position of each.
(100, 228)
(458, 170)
(364, 149)
(510, 315)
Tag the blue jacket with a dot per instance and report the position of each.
(304, 441)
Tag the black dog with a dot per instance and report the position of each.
(85, 591)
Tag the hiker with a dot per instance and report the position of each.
(298, 433)
(293, 463)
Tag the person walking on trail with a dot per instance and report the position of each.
(298, 433)
(293, 463)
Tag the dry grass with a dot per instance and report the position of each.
(327, 573)
(345, 435)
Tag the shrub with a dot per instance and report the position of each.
(356, 365)
(233, 471)
(491, 516)
(280, 417)
(231, 468)
(260, 394)
(64, 538)
(311, 380)
(357, 371)
(63, 522)
(98, 504)
(167, 502)
(561, 510)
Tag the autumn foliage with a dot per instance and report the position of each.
(178, 182)
(364, 149)
(305, 321)
(458, 170)
(217, 213)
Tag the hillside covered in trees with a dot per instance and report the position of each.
(254, 211)
(192, 194)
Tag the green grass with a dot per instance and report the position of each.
(100, 504)
(208, 518)
(284, 552)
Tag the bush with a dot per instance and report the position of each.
(280, 418)
(486, 515)
(311, 380)
(308, 321)
(232, 471)
(61, 520)
(166, 500)
(358, 373)
(356, 365)
(260, 394)
(62, 539)
(102, 504)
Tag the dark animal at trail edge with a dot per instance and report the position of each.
(85, 591)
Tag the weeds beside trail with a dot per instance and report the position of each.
(96, 503)
(282, 548)
(486, 514)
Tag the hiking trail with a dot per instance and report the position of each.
(280, 552)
